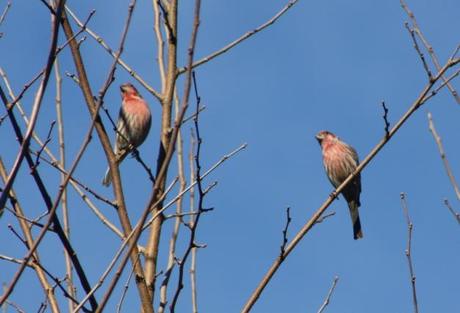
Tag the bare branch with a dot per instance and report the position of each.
(430, 49)
(125, 66)
(285, 239)
(125, 290)
(408, 250)
(421, 99)
(242, 38)
(419, 52)
(47, 140)
(455, 214)
(385, 119)
(5, 12)
(437, 138)
(329, 294)
(25, 146)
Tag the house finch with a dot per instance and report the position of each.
(340, 160)
(133, 125)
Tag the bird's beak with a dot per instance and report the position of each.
(121, 88)
(319, 138)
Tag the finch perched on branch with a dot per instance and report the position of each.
(340, 160)
(133, 125)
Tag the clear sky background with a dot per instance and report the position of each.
(323, 65)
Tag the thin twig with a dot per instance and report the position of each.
(421, 99)
(329, 294)
(47, 141)
(25, 145)
(125, 66)
(65, 212)
(430, 49)
(74, 182)
(408, 250)
(385, 119)
(437, 89)
(125, 290)
(442, 153)
(455, 214)
(419, 52)
(178, 219)
(285, 239)
(193, 184)
(325, 216)
(242, 38)
(193, 285)
(114, 260)
(5, 11)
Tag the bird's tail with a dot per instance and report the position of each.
(107, 178)
(120, 155)
(354, 213)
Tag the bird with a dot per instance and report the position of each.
(340, 160)
(133, 126)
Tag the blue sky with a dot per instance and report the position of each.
(323, 65)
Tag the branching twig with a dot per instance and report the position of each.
(323, 217)
(442, 153)
(285, 239)
(419, 52)
(455, 214)
(421, 99)
(408, 250)
(430, 49)
(134, 232)
(114, 55)
(242, 38)
(47, 141)
(193, 184)
(385, 119)
(329, 294)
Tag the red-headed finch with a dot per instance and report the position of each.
(340, 160)
(133, 125)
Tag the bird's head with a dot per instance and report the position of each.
(324, 135)
(128, 89)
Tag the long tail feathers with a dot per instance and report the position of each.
(107, 178)
(357, 231)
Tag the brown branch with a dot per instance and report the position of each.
(329, 294)
(65, 215)
(94, 110)
(129, 237)
(160, 42)
(421, 99)
(189, 188)
(450, 78)
(455, 214)
(442, 153)
(164, 160)
(125, 66)
(242, 38)
(25, 145)
(178, 219)
(429, 48)
(408, 250)
(74, 182)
